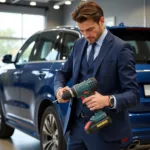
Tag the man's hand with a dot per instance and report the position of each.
(60, 93)
(96, 101)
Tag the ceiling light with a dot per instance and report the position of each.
(56, 7)
(2, 1)
(68, 2)
(33, 3)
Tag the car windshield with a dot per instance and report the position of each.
(139, 38)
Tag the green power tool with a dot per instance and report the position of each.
(83, 90)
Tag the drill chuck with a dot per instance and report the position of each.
(69, 94)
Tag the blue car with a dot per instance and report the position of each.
(27, 94)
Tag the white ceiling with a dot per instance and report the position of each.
(42, 1)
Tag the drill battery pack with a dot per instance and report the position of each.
(93, 126)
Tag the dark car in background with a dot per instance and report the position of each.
(27, 94)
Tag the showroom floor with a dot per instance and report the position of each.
(20, 141)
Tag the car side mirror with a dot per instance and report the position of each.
(7, 58)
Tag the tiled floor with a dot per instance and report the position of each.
(20, 141)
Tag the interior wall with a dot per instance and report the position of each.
(67, 14)
(54, 17)
(147, 13)
(131, 12)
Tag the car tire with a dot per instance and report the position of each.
(5, 130)
(51, 135)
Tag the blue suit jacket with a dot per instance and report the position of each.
(116, 75)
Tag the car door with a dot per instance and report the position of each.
(11, 81)
(67, 43)
(36, 73)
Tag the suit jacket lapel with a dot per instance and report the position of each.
(107, 43)
(81, 48)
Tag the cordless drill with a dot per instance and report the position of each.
(83, 90)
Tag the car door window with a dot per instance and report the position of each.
(139, 40)
(50, 45)
(67, 44)
(29, 50)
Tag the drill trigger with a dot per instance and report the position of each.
(86, 92)
(82, 98)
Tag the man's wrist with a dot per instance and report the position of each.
(111, 101)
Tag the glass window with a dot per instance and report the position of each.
(50, 46)
(32, 24)
(15, 28)
(148, 44)
(141, 50)
(9, 46)
(67, 44)
(29, 51)
(140, 41)
(11, 26)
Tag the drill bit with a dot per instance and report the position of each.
(55, 101)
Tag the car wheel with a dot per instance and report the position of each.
(51, 135)
(5, 130)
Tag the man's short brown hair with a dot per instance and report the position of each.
(87, 10)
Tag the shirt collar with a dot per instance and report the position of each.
(102, 37)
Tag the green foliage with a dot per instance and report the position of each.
(8, 45)
(6, 33)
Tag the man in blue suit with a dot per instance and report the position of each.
(110, 60)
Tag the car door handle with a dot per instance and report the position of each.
(42, 74)
(17, 73)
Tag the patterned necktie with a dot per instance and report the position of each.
(91, 55)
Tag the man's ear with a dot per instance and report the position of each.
(101, 21)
